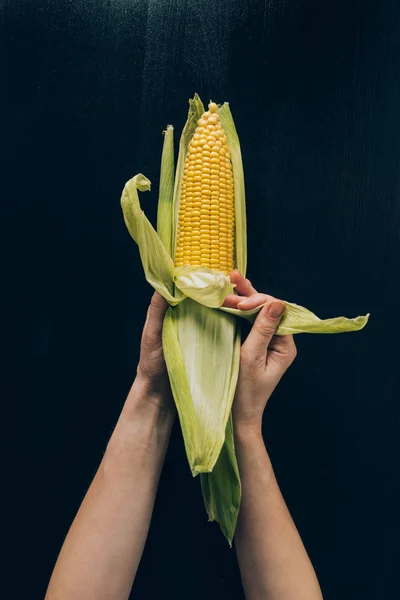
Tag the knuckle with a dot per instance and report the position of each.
(265, 328)
(263, 298)
(291, 353)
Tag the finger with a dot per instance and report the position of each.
(282, 349)
(256, 345)
(155, 318)
(254, 301)
(244, 302)
(243, 285)
(281, 353)
(232, 300)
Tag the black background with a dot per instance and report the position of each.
(314, 88)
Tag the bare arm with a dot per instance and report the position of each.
(273, 562)
(102, 550)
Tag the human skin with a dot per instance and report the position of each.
(102, 551)
(104, 545)
(273, 562)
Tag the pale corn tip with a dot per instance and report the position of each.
(206, 212)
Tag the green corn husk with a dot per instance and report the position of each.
(201, 339)
(165, 221)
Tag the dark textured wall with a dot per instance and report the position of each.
(314, 87)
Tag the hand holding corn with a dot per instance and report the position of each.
(201, 237)
(152, 370)
(264, 357)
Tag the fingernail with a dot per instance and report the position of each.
(275, 310)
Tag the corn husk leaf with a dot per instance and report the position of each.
(201, 348)
(206, 286)
(157, 264)
(180, 384)
(228, 126)
(297, 319)
(203, 285)
(222, 488)
(166, 191)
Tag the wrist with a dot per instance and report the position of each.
(250, 450)
(149, 404)
(144, 424)
(153, 389)
(247, 432)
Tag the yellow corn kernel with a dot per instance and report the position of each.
(206, 213)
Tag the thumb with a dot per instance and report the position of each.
(152, 331)
(263, 330)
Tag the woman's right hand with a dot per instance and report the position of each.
(264, 357)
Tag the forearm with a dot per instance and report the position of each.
(272, 559)
(103, 548)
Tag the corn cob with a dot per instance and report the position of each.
(206, 211)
